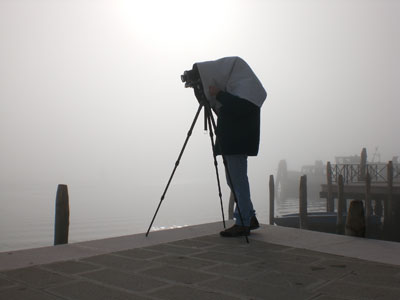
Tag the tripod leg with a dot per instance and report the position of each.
(216, 166)
(207, 107)
(176, 166)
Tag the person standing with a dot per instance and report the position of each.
(236, 95)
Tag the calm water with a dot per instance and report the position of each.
(27, 211)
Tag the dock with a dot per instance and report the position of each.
(196, 263)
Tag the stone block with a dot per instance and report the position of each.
(347, 290)
(124, 280)
(185, 293)
(90, 291)
(70, 267)
(250, 289)
(120, 263)
(37, 277)
(24, 293)
(184, 261)
(226, 257)
(171, 249)
(179, 275)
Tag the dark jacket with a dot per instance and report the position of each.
(238, 126)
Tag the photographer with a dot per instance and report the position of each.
(236, 95)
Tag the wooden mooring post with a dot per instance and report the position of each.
(61, 226)
(330, 205)
(303, 202)
(388, 206)
(271, 199)
(340, 206)
(368, 202)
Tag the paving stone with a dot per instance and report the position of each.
(121, 263)
(226, 257)
(324, 297)
(184, 261)
(71, 267)
(255, 289)
(315, 270)
(123, 280)
(24, 293)
(270, 256)
(139, 253)
(288, 280)
(5, 283)
(242, 248)
(178, 275)
(186, 293)
(90, 291)
(192, 243)
(37, 277)
(169, 248)
(257, 246)
(216, 239)
(373, 279)
(349, 290)
(361, 266)
(306, 252)
(238, 271)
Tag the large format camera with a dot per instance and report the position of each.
(192, 79)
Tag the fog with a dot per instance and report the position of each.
(90, 96)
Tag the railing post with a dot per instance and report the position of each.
(341, 200)
(271, 200)
(329, 199)
(61, 227)
(303, 202)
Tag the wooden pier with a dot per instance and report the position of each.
(377, 185)
(352, 187)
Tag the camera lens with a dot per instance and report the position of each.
(183, 77)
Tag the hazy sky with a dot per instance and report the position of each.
(90, 91)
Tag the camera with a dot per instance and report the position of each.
(191, 77)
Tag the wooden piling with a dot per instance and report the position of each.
(355, 221)
(329, 200)
(368, 204)
(61, 227)
(271, 199)
(390, 191)
(341, 204)
(388, 206)
(303, 202)
(363, 165)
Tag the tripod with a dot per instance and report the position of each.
(209, 122)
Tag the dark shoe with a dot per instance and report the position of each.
(254, 223)
(236, 230)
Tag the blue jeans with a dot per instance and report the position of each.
(237, 166)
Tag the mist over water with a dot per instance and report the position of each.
(91, 97)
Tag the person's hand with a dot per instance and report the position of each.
(213, 90)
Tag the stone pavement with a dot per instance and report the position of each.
(203, 266)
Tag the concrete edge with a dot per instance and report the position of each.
(367, 249)
(44, 255)
(371, 250)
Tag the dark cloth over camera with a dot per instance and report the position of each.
(238, 126)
